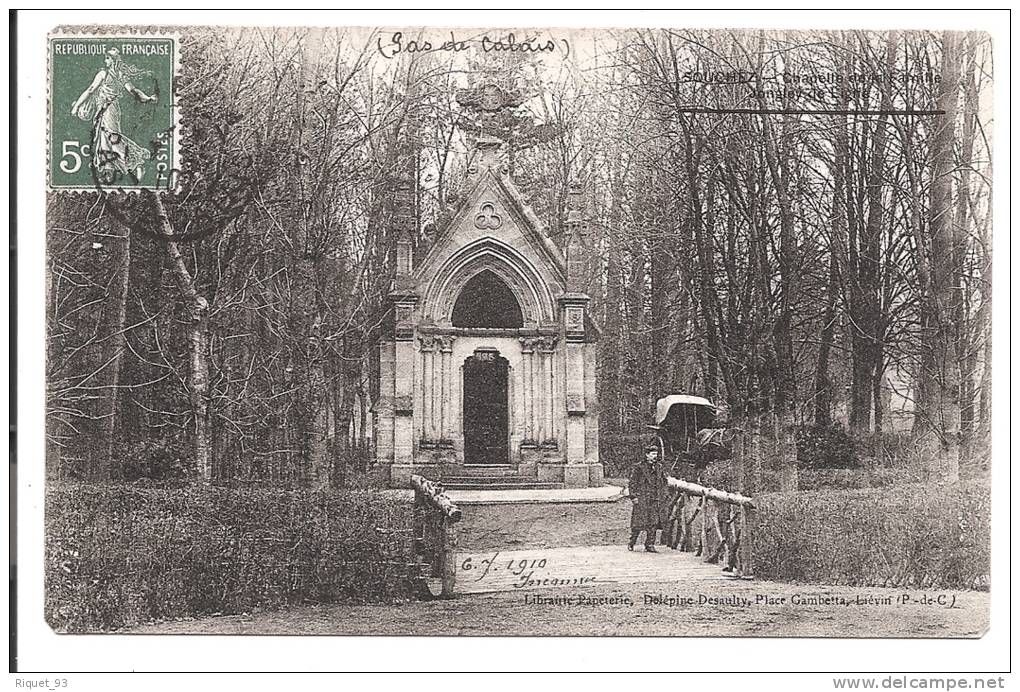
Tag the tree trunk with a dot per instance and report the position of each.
(316, 423)
(878, 390)
(823, 395)
(54, 427)
(985, 326)
(703, 221)
(865, 287)
(985, 388)
(749, 449)
(116, 344)
(938, 429)
(785, 384)
(968, 326)
(312, 461)
(198, 346)
(610, 394)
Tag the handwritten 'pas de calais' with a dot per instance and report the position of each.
(398, 44)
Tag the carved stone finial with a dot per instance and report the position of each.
(488, 155)
(575, 205)
(404, 255)
(576, 231)
(486, 98)
(403, 223)
(489, 97)
(486, 143)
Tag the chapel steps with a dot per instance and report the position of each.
(496, 482)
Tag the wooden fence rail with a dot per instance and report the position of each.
(435, 536)
(727, 517)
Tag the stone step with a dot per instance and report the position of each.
(483, 471)
(598, 495)
(450, 478)
(497, 483)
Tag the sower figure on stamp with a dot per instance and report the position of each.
(113, 151)
(647, 489)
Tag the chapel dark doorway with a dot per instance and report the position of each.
(486, 414)
(486, 301)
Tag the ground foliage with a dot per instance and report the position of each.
(918, 536)
(121, 555)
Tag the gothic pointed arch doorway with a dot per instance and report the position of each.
(486, 410)
(486, 301)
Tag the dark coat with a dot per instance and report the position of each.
(647, 486)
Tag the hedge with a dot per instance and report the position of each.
(120, 555)
(921, 536)
(853, 479)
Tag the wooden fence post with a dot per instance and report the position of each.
(418, 526)
(440, 515)
(703, 549)
(449, 557)
(732, 549)
(747, 542)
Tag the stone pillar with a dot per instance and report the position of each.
(403, 432)
(531, 453)
(528, 388)
(539, 381)
(434, 375)
(384, 408)
(428, 384)
(446, 431)
(576, 472)
(403, 389)
(403, 299)
(547, 390)
(531, 398)
(591, 416)
(549, 451)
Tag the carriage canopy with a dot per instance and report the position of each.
(685, 425)
(684, 404)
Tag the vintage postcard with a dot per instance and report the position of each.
(519, 331)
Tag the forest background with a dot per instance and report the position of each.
(794, 224)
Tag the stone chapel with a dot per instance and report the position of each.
(488, 366)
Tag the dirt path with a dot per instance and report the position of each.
(515, 527)
(693, 607)
(632, 610)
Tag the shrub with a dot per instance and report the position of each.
(891, 448)
(921, 536)
(120, 555)
(721, 474)
(157, 461)
(848, 479)
(825, 448)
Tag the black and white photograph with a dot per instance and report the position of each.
(518, 331)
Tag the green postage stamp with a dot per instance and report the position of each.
(112, 112)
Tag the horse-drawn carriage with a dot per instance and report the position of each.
(689, 440)
(688, 436)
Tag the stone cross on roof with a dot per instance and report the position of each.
(489, 110)
(489, 98)
(490, 115)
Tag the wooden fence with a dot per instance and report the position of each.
(435, 537)
(727, 519)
